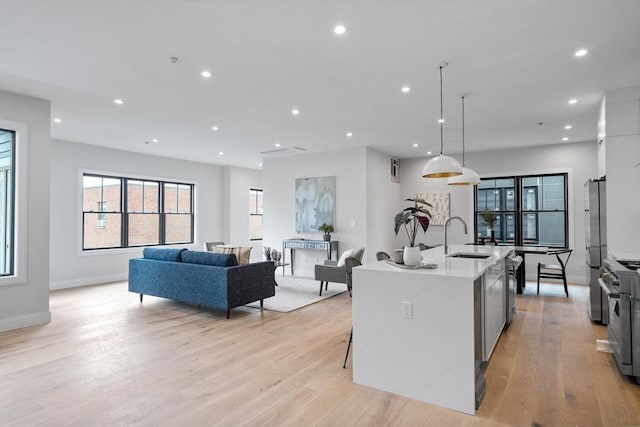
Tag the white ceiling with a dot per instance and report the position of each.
(514, 58)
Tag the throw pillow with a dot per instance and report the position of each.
(242, 253)
(346, 254)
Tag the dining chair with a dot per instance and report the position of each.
(210, 246)
(349, 263)
(555, 271)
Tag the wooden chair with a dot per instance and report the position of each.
(349, 263)
(381, 256)
(555, 271)
(210, 246)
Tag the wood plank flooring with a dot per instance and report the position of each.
(105, 359)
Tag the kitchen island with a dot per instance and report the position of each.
(423, 333)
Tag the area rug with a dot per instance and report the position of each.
(293, 293)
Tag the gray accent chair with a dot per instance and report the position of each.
(331, 272)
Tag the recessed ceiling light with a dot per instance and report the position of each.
(155, 139)
(440, 120)
(118, 101)
(405, 89)
(581, 52)
(415, 145)
(565, 138)
(295, 112)
(573, 101)
(339, 29)
(568, 127)
(206, 74)
(214, 128)
(349, 134)
(220, 153)
(57, 120)
(428, 153)
(277, 144)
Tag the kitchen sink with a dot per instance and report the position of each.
(469, 255)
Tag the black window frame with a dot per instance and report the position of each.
(519, 211)
(124, 211)
(258, 191)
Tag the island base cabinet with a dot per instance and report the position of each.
(494, 316)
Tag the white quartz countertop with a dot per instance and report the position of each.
(449, 266)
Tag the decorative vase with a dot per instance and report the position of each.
(492, 241)
(274, 254)
(411, 256)
(267, 253)
(326, 237)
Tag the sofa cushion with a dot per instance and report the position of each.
(163, 254)
(209, 258)
(243, 253)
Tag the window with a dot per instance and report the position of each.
(532, 210)
(121, 212)
(7, 211)
(255, 214)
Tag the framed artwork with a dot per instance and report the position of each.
(315, 200)
(439, 206)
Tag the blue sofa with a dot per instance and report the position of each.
(202, 278)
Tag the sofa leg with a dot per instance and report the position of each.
(228, 313)
(140, 297)
(261, 303)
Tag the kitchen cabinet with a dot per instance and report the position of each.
(494, 314)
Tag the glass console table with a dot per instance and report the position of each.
(319, 245)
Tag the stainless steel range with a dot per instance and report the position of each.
(620, 281)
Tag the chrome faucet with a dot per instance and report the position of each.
(446, 224)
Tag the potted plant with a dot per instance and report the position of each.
(411, 219)
(490, 218)
(327, 229)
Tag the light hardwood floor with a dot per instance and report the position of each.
(106, 359)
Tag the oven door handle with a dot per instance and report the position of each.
(607, 290)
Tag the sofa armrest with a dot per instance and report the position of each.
(250, 282)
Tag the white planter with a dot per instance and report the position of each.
(411, 255)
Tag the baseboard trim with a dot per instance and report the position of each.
(87, 281)
(24, 321)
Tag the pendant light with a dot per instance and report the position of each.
(469, 176)
(441, 166)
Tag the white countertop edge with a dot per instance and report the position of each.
(448, 266)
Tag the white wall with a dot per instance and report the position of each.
(236, 185)
(578, 159)
(622, 163)
(27, 303)
(279, 174)
(69, 265)
(461, 204)
(383, 202)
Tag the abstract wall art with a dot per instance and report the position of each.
(315, 200)
(439, 206)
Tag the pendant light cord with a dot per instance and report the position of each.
(441, 116)
(463, 131)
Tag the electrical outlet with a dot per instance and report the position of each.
(407, 310)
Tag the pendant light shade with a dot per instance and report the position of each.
(469, 176)
(441, 166)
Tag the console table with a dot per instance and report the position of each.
(318, 245)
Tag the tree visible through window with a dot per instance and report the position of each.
(532, 210)
(255, 214)
(120, 212)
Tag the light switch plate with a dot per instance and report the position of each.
(407, 310)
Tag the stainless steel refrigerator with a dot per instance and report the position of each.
(596, 245)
